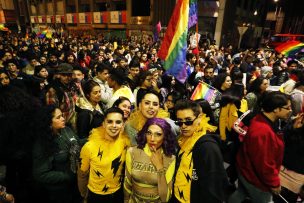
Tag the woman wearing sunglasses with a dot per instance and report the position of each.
(150, 165)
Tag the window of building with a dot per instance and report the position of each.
(84, 8)
(100, 7)
(141, 7)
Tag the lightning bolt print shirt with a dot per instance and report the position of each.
(104, 160)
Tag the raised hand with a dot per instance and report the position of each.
(157, 158)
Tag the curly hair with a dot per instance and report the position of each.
(169, 143)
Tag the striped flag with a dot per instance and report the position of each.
(88, 17)
(100, 17)
(290, 48)
(118, 17)
(205, 91)
(192, 13)
(174, 46)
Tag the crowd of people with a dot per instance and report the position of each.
(85, 119)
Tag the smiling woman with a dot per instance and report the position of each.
(89, 111)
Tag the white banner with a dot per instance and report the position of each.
(32, 19)
(114, 17)
(193, 40)
(82, 18)
(69, 18)
(49, 19)
(96, 17)
(58, 18)
(39, 19)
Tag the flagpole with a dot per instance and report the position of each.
(197, 40)
(196, 29)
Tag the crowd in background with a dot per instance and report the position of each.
(61, 97)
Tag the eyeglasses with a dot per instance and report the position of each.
(287, 108)
(187, 123)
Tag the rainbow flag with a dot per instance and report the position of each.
(290, 48)
(174, 46)
(205, 91)
(192, 13)
(3, 28)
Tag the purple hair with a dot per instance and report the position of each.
(169, 142)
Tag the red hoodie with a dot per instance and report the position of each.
(261, 154)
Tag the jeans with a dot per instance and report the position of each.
(116, 197)
(245, 190)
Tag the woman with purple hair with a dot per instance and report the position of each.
(150, 165)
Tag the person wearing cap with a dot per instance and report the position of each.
(62, 94)
(266, 72)
(36, 50)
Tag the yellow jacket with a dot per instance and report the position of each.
(228, 116)
(102, 160)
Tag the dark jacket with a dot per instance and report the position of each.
(86, 121)
(282, 77)
(52, 171)
(209, 178)
(294, 149)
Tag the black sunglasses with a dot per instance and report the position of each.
(187, 123)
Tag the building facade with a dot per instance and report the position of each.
(218, 19)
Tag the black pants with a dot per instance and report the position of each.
(116, 197)
(287, 194)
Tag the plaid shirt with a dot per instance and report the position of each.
(66, 103)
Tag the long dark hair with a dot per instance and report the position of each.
(43, 130)
(219, 80)
(169, 142)
(255, 85)
(206, 108)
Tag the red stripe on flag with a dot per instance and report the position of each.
(74, 18)
(89, 17)
(104, 17)
(171, 29)
(124, 17)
